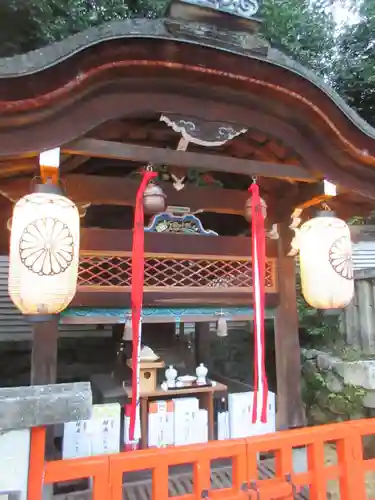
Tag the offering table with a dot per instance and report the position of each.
(107, 389)
(205, 395)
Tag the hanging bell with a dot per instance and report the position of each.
(153, 199)
(222, 327)
(249, 208)
(128, 331)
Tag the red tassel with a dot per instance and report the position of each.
(138, 265)
(258, 273)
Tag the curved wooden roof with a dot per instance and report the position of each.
(132, 68)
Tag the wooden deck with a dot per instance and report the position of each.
(139, 485)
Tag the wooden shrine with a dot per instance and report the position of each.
(209, 105)
(148, 374)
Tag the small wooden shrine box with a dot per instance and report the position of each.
(147, 374)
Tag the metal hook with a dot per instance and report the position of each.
(254, 178)
(221, 313)
(255, 489)
(326, 208)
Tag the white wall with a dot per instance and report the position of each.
(14, 461)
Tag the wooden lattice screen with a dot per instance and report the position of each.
(173, 271)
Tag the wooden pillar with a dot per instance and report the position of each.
(290, 411)
(202, 343)
(44, 364)
(6, 209)
(44, 352)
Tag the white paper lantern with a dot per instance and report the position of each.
(326, 262)
(44, 253)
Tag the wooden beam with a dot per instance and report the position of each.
(100, 190)
(202, 161)
(72, 163)
(105, 190)
(99, 299)
(18, 166)
(113, 241)
(290, 411)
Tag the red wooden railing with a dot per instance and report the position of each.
(107, 471)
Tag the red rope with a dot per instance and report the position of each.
(138, 265)
(258, 272)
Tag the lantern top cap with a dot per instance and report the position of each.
(325, 213)
(48, 189)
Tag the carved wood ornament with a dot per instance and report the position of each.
(241, 8)
(192, 130)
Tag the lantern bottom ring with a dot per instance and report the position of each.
(39, 318)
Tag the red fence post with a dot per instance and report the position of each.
(202, 476)
(350, 460)
(36, 463)
(102, 482)
(315, 457)
(160, 480)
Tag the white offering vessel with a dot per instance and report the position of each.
(201, 373)
(170, 376)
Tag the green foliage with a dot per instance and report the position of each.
(355, 65)
(348, 403)
(312, 385)
(304, 29)
(29, 24)
(18, 29)
(326, 406)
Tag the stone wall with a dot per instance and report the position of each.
(335, 389)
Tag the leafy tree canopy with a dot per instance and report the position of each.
(354, 67)
(30, 24)
(304, 29)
